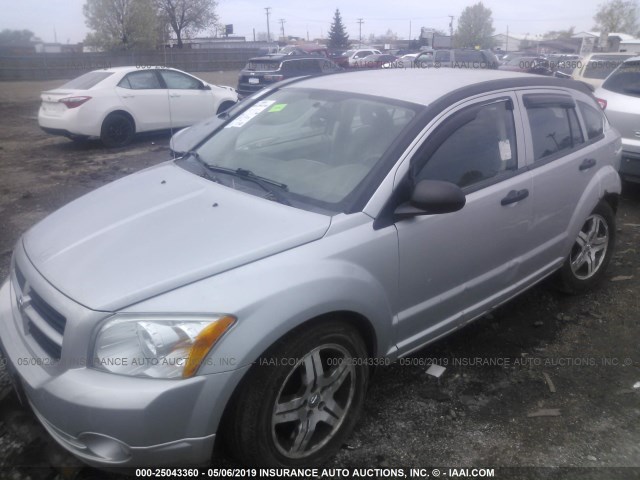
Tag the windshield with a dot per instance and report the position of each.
(86, 81)
(320, 144)
(625, 80)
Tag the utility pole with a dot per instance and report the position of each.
(282, 20)
(268, 10)
(360, 22)
(409, 30)
(451, 25)
(506, 47)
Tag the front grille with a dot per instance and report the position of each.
(45, 324)
(52, 348)
(21, 279)
(48, 314)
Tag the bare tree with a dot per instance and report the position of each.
(187, 17)
(475, 27)
(617, 16)
(120, 24)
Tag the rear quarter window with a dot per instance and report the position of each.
(593, 119)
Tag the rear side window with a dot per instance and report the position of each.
(593, 119)
(481, 145)
(86, 81)
(625, 80)
(145, 80)
(469, 56)
(554, 128)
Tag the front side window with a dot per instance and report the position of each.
(320, 144)
(481, 146)
(553, 129)
(179, 81)
(144, 80)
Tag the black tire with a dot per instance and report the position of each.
(327, 410)
(117, 130)
(224, 106)
(591, 252)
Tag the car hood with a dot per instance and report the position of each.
(157, 230)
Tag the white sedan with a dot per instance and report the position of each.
(116, 103)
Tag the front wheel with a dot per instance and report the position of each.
(301, 399)
(224, 106)
(591, 252)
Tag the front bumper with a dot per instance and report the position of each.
(112, 420)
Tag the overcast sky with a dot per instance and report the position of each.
(534, 17)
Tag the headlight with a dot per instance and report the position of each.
(157, 346)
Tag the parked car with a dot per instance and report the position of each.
(535, 65)
(462, 58)
(595, 67)
(263, 71)
(507, 57)
(308, 49)
(351, 57)
(243, 292)
(619, 96)
(377, 60)
(116, 103)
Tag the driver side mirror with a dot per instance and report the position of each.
(205, 87)
(431, 197)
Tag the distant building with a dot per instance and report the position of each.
(615, 41)
(509, 43)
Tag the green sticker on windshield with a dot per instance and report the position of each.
(278, 107)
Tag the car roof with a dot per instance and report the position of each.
(425, 86)
(632, 59)
(128, 69)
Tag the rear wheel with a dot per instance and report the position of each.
(591, 252)
(301, 399)
(117, 130)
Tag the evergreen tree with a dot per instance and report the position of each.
(338, 37)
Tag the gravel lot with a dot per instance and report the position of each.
(573, 360)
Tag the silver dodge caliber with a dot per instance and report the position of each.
(243, 292)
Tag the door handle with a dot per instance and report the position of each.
(128, 96)
(174, 95)
(587, 163)
(514, 196)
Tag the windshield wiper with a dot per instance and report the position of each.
(205, 167)
(264, 183)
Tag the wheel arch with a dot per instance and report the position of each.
(122, 112)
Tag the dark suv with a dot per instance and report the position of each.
(262, 71)
(459, 58)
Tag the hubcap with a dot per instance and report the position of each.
(313, 401)
(590, 248)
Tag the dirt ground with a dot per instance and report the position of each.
(576, 358)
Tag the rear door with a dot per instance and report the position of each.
(146, 99)
(562, 161)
